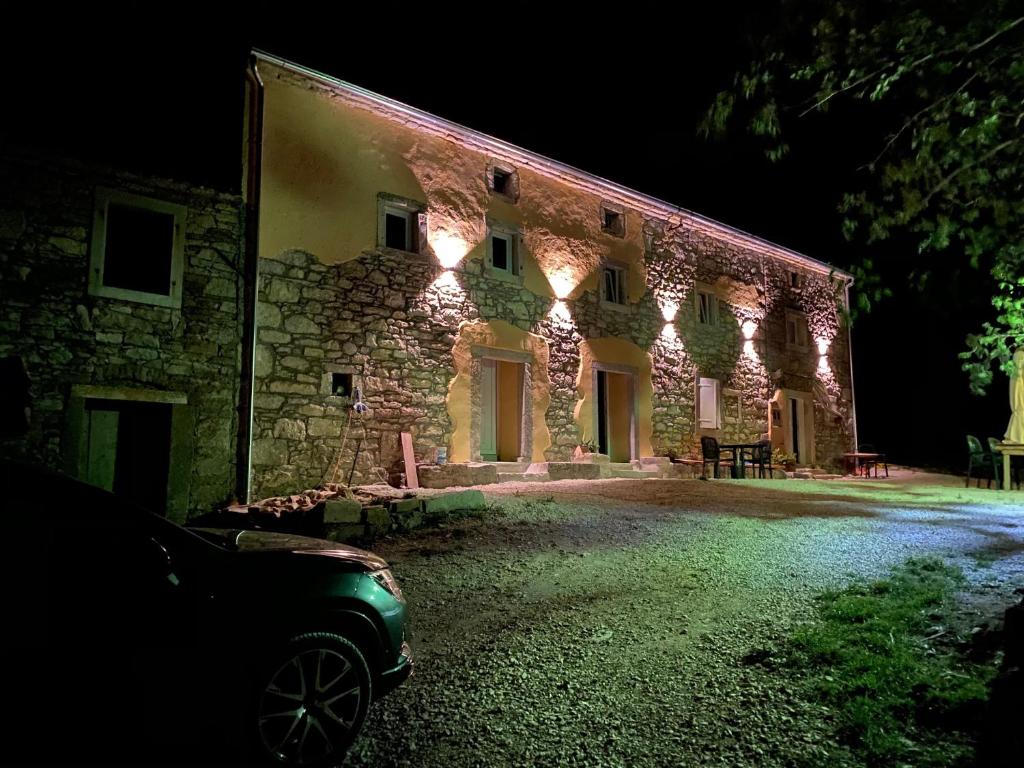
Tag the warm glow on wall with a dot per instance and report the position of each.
(563, 281)
(822, 347)
(447, 282)
(560, 314)
(668, 333)
(450, 249)
(749, 328)
(748, 349)
(669, 308)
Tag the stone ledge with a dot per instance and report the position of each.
(456, 475)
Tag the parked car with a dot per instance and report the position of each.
(128, 637)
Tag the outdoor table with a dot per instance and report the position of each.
(739, 468)
(1008, 450)
(853, 459)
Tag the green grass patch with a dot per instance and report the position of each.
(899, 699)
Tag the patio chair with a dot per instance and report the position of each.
(711, 454)
(873, 463)
(980, 456)
(760, 457)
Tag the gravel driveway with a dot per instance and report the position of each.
(614, 623)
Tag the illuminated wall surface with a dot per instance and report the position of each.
(411, 327)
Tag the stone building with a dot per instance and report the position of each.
(505, 308)
(123, 296)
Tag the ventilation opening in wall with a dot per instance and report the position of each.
(341, 384)
(502, 181)
(613, 222)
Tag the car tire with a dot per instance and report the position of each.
(311, 701)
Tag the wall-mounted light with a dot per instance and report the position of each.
(562, 282)
(668, 333)
(669, 308)
(749, 328)
(560, 314)
(450, 249)
(823, 347)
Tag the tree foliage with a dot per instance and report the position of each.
(946, 80)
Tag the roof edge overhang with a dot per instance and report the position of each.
(672, 215)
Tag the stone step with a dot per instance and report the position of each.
(523, 477)
(635, 474)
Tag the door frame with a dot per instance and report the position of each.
(634, 396)
(805, 425)
(75, 447)
(481, 353)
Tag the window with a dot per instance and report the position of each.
(707, 404)
(613, 284)
(503, 250)
(795, 279)
(341, 384)
(613, 220)
(137, 248)
(796, 330)
(707, 308)
(503, 181)
(401, 223)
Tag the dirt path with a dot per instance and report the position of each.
(611, 623)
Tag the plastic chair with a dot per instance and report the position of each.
(761, 456)
(711, 454)
(980, 456)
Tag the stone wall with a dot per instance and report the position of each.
(391, 319)
(70, 338)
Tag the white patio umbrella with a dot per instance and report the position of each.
(1015, 430)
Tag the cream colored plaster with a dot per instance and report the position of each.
(325, 161)
(615, 352)
(497, 334)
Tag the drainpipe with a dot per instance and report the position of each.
(251, 169)
(849, 346)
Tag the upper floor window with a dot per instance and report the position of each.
(503, 181)
(797, 335)
(138, 246)
(613, 220)
(796, 280)
(707, 308)
(613, 283)
(503, 249)
(401, 223)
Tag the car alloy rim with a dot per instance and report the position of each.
(309, 705)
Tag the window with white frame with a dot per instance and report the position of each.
(401, 223)
(707, 308)
(503, 249)
(613, 283)
(708, 412)
(797, 336)
(137, 249)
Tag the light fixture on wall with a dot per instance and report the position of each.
(562, 282)
(749, 328)
(823, 345)
(560, 315)
(668, 333)
(450, 249)
(669, 308)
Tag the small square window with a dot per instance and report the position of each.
(707, 308)
(613, 221)
(502, 252)
(341, 384)
(614, 284)
(137, 248)
(503, 181)
(795, 279)
(401, 223)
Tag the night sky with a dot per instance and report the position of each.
(617, 93)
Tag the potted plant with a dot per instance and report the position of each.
(784, 459)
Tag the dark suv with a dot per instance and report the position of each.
(127, 637)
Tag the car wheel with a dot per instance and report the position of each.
(312, 701)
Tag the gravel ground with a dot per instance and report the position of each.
(612, 623)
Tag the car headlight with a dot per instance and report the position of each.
(386, 579)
